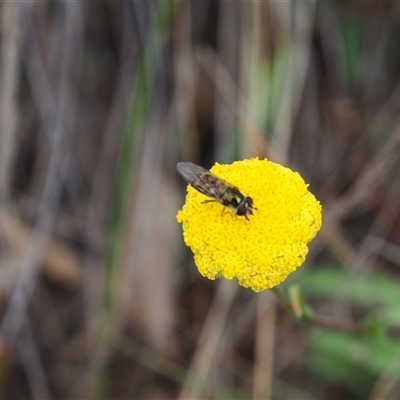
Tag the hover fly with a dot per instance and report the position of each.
(221, 191)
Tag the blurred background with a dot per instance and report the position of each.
(98, 101)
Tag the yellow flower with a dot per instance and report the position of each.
(261, 252)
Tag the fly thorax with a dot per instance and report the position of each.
(232, 198)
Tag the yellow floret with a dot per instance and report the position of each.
(261, 252)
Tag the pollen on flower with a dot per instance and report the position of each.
(260, 252)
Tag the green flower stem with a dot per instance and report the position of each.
(296, 305)
(282, 298)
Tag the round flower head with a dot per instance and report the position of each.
(264, 249)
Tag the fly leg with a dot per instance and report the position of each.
(225, 211)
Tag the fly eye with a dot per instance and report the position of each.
(241, 210)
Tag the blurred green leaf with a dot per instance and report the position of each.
(354, 361)
(374, 328)
(377, 291)
(265, 85)
(351, 47)
(124, 177)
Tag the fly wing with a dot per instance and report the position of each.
(190, 172)
(201, 179)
